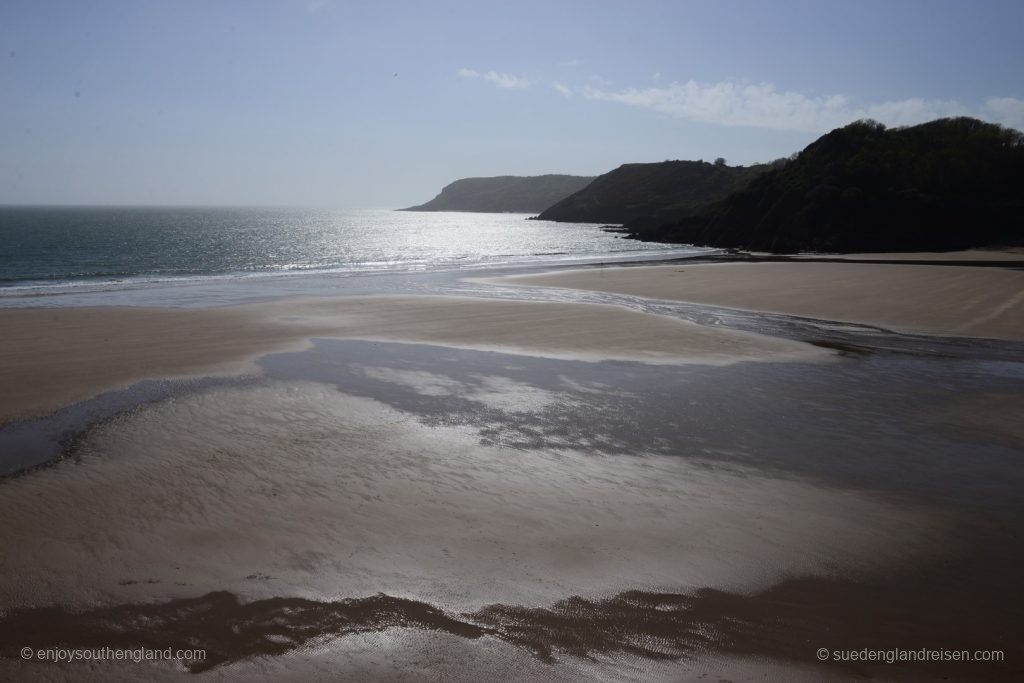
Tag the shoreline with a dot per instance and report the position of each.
(960, 298)
(60, 356)
(47, 293)
(544, 482)
(79, 352)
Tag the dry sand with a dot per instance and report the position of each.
(57, 356)
(50, 357)
(1013, 254)
(943, 300)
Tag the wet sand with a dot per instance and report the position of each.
(58, 356)
(354, 498)
(449, 487)
(939, 300)
(492, 505)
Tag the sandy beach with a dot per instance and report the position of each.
(501, 341)
(939, 300)
(57, 356)
(61, 355)
(1015, 254)
(526, 489)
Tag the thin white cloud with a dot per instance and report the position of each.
(656, 76)
(572, 63)
(1007, 110)
(732, 104)
(911, 111)
(507, 81)
(564, 90)
(764, 106)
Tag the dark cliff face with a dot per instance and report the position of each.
(651, 193)
(944, 185)
(513, 194)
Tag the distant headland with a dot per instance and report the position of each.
(954, 183)
(505, 194)
(653, 193)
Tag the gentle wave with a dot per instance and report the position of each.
(28, 288)
(57, 249)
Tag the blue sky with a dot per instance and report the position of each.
(379, 104)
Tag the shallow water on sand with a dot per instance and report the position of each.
(576, 518)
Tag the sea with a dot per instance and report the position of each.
(68, 250)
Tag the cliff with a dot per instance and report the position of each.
(651, 193)
(511, 194)
(944, 185)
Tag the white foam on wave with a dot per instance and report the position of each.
(33, 292)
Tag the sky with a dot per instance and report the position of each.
(379, 104)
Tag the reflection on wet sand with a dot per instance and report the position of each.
(353, 497)
(596, 515)
(789, 621)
